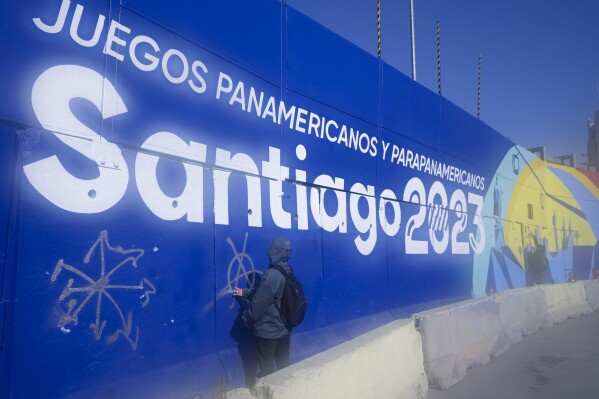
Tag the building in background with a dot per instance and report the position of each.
(592, 153)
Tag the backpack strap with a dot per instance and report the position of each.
(282, 271)
(286, 276)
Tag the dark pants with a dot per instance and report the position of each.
(272, 352)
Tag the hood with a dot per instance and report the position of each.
(279, 251)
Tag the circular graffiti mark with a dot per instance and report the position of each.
(242, 272)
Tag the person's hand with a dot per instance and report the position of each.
(237, 291)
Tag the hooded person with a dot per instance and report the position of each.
(263, 315)
(539, 262)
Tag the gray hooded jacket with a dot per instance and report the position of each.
(263, 312)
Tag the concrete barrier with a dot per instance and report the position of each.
(566, 300)
(459, 336)
(391, 361)
(522, 312)
(592, 292)
(384, 363)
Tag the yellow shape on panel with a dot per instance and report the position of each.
(541, 201)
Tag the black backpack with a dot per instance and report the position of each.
(293, 303)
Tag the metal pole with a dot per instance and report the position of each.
(412, 31)
(378, 20)
(439, 57)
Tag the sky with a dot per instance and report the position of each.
(540, 58)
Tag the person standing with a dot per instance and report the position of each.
(539, 262)
(263, 314)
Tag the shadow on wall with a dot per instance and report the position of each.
(245, 340)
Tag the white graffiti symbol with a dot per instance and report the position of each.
(101, 288)
(249, 274)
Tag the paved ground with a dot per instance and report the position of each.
(559, 363)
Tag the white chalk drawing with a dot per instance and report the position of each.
(101, 287)
(241, 272)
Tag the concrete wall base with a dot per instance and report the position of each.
(522, 312)
(384, 363)
(592, 292)
(566, 300)
(391, 361)
(460, 336)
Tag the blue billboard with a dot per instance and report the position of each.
(151, 151)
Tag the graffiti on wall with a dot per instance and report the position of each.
(102, 288)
